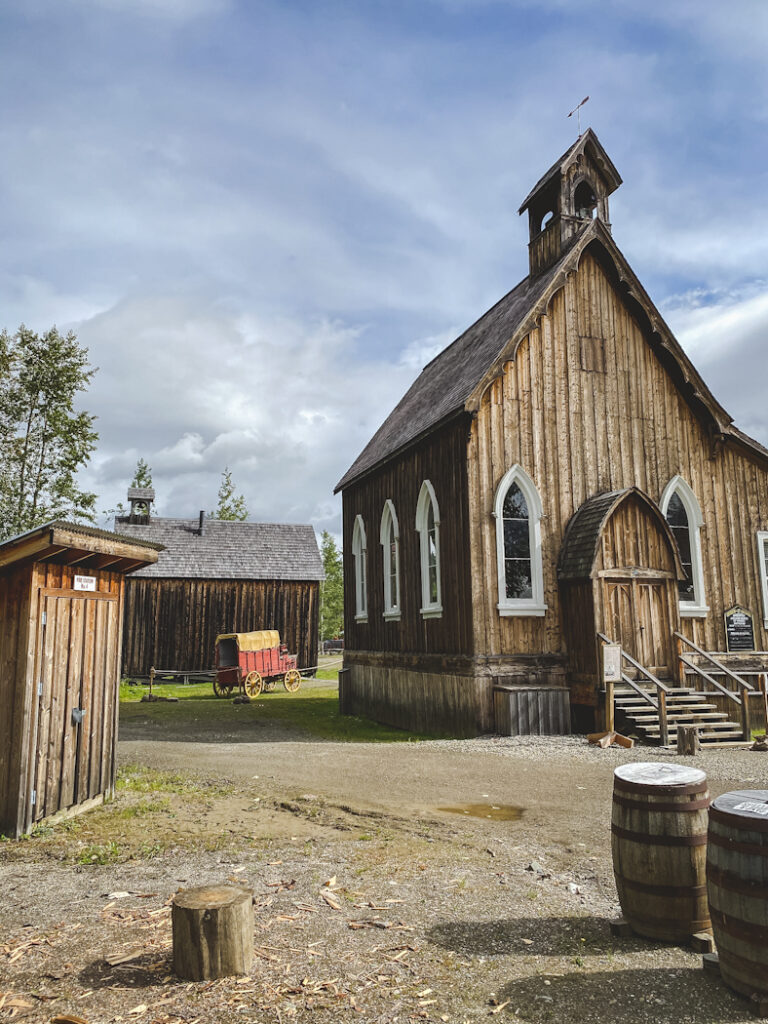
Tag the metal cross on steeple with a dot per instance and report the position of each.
(577, 111)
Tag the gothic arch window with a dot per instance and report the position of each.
(683, 513)
(360, 555)
(517, 509)
(584, 201)
(390, 546)
(428, 527)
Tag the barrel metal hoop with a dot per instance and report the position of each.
(695, 891)
(738, 960)
(739, 929)
(738, 821)
(691, 789)
(635, 805)
(732, 883)
(726, 843)
(655, 840)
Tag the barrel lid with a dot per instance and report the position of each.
(657, 773)
(745, 803)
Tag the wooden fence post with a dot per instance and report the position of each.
(663, 724)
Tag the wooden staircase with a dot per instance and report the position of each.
(635, 715)
(652, 709)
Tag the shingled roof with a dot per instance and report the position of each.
(228, 550)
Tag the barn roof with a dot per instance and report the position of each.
(455, 381)
(229, 550)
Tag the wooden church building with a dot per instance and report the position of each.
(559, 471)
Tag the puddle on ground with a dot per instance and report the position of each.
(496, 812)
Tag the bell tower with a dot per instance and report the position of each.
(572, 193)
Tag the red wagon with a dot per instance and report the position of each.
(252, 662)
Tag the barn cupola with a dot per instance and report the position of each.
(140, 499)
(573, 192)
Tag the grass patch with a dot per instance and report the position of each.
(313, 709)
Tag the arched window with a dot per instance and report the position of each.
(584, 201)
(390, 546)
(360, 555)
(682, 512)
(428, 526)
(517, 510)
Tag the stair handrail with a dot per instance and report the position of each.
(661, 690)
(745, 687)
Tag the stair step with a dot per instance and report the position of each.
(710, 719)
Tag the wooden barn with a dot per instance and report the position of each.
(217, 576)
(61, 601)
(558, 485)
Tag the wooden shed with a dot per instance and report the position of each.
(218, 576)
(61, 601)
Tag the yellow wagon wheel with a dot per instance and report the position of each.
(219, 689)
(292, 680)
(253, 684)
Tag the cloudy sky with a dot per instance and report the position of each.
(262, 217)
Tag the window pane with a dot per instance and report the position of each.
(515, 505)
(518, 577)
(516, 538)
(676, 515)
(677, 518)
(433, 584)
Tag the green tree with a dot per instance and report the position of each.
(231, 506)
(44, 440)
(143, 475)
(331, 589)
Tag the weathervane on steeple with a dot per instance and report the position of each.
(577, 111)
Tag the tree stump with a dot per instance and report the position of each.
(212, 932)
(688, 741)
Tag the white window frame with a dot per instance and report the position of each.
(762, 545)
(360, 555)
(429, 609)
(528, 606)
(389, 518)
(698, 608)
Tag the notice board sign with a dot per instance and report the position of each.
(739, 630)
(85, 583)
(611, 663)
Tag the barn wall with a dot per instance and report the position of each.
(442, 460)
(173, 624)
(586, 406)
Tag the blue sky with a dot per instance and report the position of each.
(262, 218)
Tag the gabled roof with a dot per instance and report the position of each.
(559, 167)
(456, 380)
(229, 550)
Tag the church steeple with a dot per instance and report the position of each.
(573, 192)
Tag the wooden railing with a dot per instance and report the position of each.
(745, 688)
(659, 704)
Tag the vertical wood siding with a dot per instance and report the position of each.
(442, 460)
(578, 432)
(173, 624)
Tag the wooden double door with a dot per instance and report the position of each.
(76, 678)
(639, 609)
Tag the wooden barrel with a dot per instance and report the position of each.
(737, 881)
(658, 838)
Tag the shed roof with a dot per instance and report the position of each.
(87, 547)
(229, 550)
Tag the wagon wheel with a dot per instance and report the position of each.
(219, 689)
(269, 685)
(292, 680)
(253, 684)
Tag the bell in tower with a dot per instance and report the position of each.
(572, 193)
(141, 499)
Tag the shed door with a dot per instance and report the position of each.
(639, 619)
(77, 674)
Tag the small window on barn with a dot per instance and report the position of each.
(518, 510)
(683, 513)
(428, 526)
(360, 555)
(390, 546)
(762, 557)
